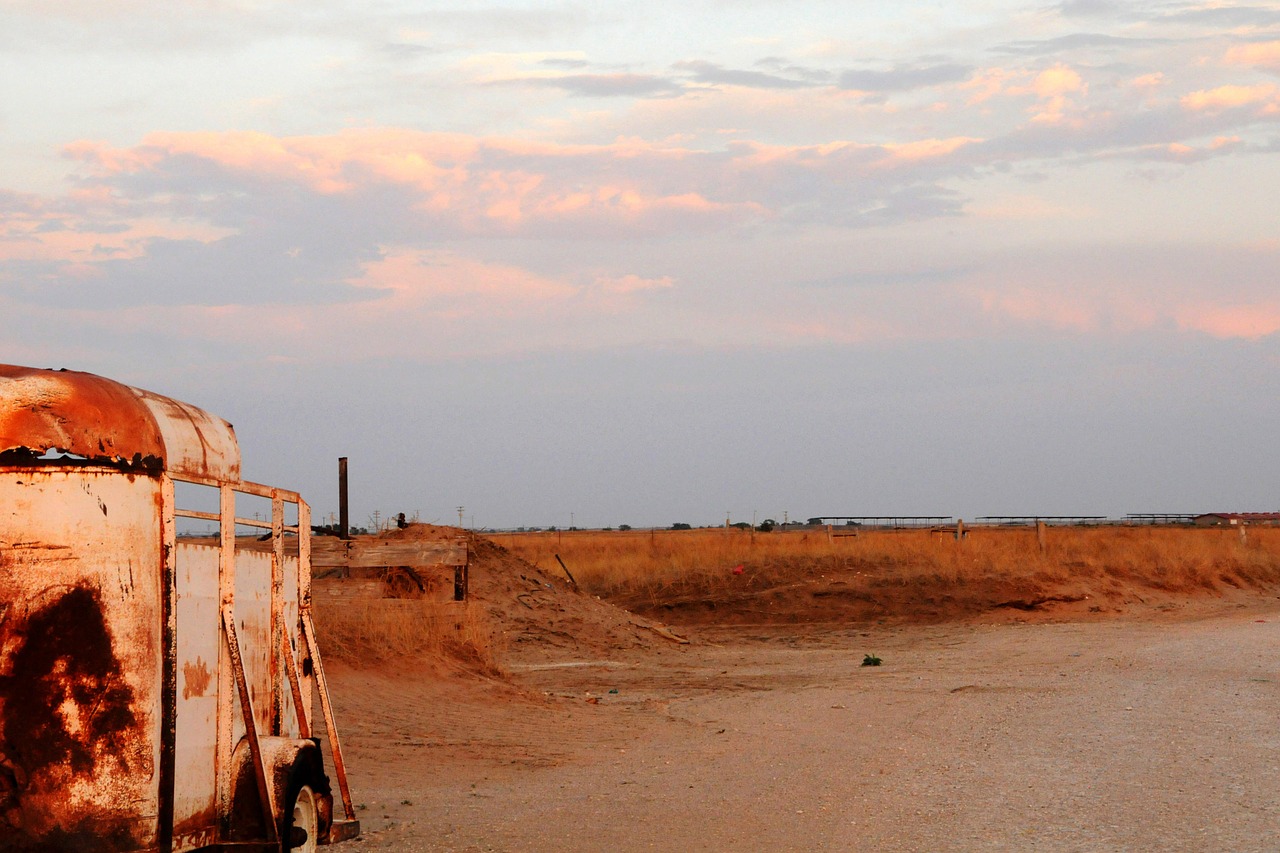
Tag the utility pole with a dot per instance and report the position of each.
(343, 514)
(571, 525)
(460, 511)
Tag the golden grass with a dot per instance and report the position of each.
(663, 565)
(382, 630)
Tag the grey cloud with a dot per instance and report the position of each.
(408, 51)
(292, 246)
(1228, 16)
(1074, 42)
(1088, 8)
(925, 275)
(244, 269)
(1102, 136)
(709, 72)
(564, 63)
(165, 28)
(14, 202)
(903, 78)
(780, 65)
(915, 203)
(601, 85)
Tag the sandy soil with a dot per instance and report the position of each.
(1150, 731)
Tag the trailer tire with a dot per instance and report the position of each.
(301, 821)
(305, 804)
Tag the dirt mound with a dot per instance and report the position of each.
(813, 592)
(422, 531)
(536, 616)
(543, 616)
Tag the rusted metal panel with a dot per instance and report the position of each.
(289, 723)
(80, 660)
(196, 443)
(195, 813)
(329, 552)
(253, 625)
(101, 421)
(78, 413)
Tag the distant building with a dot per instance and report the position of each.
(1235, 519)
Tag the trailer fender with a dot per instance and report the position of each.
(290, 763)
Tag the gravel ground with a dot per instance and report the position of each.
(1131, 734)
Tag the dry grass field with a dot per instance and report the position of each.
(1018, 714)
(907, 573)
(374, 631)
(735, 577)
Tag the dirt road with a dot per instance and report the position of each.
(1130, 734)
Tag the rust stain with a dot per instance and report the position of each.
(195, 678)
(68, 715)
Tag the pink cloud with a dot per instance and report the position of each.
(1108, 310)
(988, 83)
(633, 283)
(1231, 321)
(1231, 97)
(1054, 87)
(1257, 55)
(441, 280)
(1042, 308)
(480, 184)
(1154, 80)
(928, 149)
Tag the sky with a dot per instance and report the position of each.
(646, 263)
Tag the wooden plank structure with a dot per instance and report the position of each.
(370, 557)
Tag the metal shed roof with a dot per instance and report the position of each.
(105, 421)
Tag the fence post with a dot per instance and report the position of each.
(1042, 535)
(960, 534)
(460, 583)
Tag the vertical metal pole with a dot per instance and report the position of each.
(250, 725)
(343, 516)
(169, 675)
(304, 604)
(226, 679)
(277, 609)
(326, 708)
(1042, 535)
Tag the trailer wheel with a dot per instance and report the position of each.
(302, 821)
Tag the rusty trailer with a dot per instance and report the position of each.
(155, 690)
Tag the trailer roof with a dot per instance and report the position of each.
(49, 414)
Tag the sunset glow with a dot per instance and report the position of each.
(857, 209)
